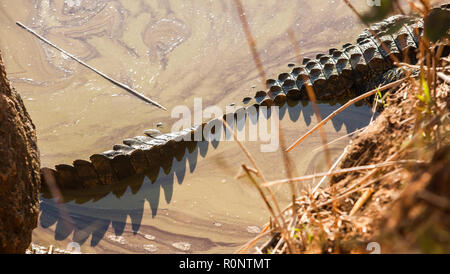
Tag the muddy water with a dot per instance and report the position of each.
(172, 51)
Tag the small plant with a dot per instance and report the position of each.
(425, 97)
(381, 99)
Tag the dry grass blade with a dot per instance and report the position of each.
(330, 170)
(347, 194)
(384, 47)
(260, 191)
(255, 166)
(312, 97)
(259, 173)
(246, 152)
(288, 166)
(361, 201)
(340, 171)
(117, 83)
(399, 7)
(444, 77)
(284, 233)
(354, 10)
(434, 199)
(402, 64)
(346, 105)
(340, 138)
(266, 231)
(374, 107)
(363, 182)
(241, 174)
(390, 158)
(250, 40)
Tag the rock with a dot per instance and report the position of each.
(19, 171)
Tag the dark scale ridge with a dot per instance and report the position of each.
(338, 75)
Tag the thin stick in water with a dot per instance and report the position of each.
(127, 88)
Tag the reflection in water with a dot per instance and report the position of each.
(102, 214)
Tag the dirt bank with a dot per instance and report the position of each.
(19, 171)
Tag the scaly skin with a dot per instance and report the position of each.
(338, 75)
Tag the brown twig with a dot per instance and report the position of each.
(340, 171)
(342, 137)
(251, 41)
(312, 97)
(330, 170)
(117, 83)
(288, 166)
(399, 7)
(362, 183)
(347, 194)
(266, 231)
(401, 64)
(258, 173)
(261, 192)
(434, 199)
(361, 201)
(385, 48)
(263, 196)
(444, 77)
(241, 174)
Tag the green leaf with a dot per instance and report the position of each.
(310, 238)
(426, 90)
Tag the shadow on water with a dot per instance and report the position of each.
(91, 212)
